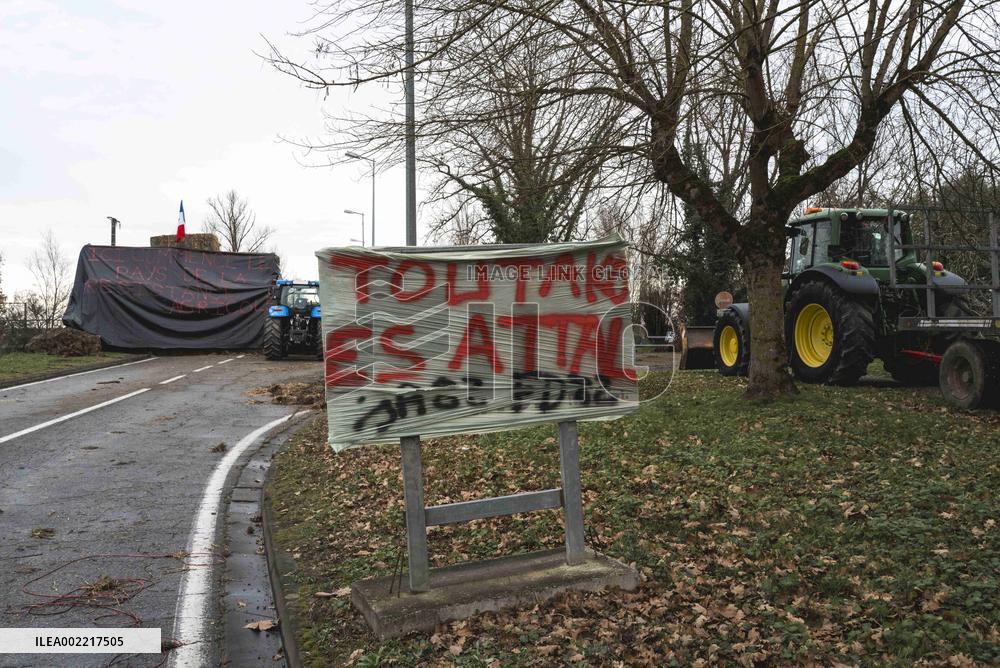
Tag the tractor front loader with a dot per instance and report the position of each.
(856, 290)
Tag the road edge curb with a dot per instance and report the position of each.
(37, 377)
(257, 463)
(287, 626)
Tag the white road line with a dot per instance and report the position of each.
(11, 437)
(224, 361)
(202, 368)
(239, 357)
(81, 373)
(192, 616)
(170, 380)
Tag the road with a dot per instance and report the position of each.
(120, 462)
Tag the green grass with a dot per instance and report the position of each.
(15, 366)
(851, 525)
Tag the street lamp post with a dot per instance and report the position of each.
(355, 156)
(358, 213)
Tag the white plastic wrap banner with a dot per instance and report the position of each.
(470, 339)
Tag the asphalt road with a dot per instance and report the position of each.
(119, 464)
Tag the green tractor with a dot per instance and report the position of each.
(293, 320)
(855, 290)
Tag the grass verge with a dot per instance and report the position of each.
(18, 366)
(852, 526)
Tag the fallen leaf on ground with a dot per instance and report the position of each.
(262, 625)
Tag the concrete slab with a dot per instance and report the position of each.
(244, 495)
(464, 590)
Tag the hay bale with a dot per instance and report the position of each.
(194, 241)
(65, 342)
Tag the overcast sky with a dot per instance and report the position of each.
(124, 107)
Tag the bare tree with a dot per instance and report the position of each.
(520, 163)
(235, 223)
(53, 280)
(532, 162)
(521, 172)
(788, 95)
(459, 226)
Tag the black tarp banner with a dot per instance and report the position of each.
(171, 297)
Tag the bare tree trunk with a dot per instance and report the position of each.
(769, 376)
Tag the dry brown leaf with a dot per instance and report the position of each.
(262, 625)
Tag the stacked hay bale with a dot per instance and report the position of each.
(196, 241)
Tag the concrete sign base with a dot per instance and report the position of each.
(461, 591)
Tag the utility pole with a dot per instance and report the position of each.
(411, 135)
(114, 223)
(355, 156)
(413, 473)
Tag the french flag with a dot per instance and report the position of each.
(180, 223)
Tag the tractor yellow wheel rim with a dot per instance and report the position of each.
(729, 346)
(814, 335)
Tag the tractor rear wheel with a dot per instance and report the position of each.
(969, 375)
(829, 334)
(732, 345)
(274, 348)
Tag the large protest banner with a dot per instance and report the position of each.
(171, 297)
(469, 339)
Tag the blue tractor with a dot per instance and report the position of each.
(293, 320)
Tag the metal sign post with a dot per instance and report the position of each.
(418, 517)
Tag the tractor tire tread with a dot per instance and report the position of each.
(742, 366)
(858, 340)
(273, 348)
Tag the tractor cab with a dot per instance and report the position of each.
(841, 238)
(293, 323)
(297, 297)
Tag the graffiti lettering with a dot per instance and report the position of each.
(453, 341)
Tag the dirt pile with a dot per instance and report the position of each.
(298, 394)
(65, 342)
